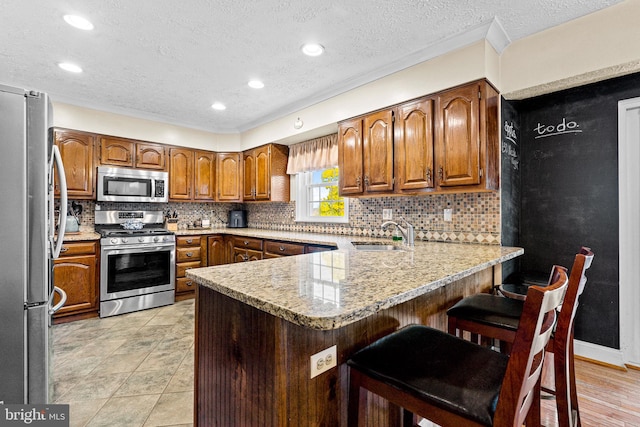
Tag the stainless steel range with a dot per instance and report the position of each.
(137, 261)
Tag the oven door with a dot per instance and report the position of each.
(127, 271)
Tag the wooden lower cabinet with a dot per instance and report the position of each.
(191, 252)
(76, 272)
(217, 250)
(274, 249)
(246, 249)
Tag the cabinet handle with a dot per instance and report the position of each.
(189, 254)
(189, 283)
(196, 192)
(358, 181)
(246, 243)
(428, 175)
(440, 173)
(64, 249)
(366, 181)
(281, 248)
(189, 241)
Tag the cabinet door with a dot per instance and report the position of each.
(180, 174)
(150, 156)
(239, 255)
(249, 164)
(217, 250)
(350, 157)
(116, 151)
(378, 151)
(205, 175)
(414, 146)
(262, 188)
(458, 136)
(76, 275)
(76, 149)
(229, 177)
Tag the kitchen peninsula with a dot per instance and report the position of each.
(257, 324)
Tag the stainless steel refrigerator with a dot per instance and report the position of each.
(28, 161)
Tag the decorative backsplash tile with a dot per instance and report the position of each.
(475, 219)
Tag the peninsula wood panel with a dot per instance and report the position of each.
(252, 368)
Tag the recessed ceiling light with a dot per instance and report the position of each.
(78, 22)
(312, 49)
(256, 84)
(218, 106)
(72, 68)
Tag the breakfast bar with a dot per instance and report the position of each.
(259, 323)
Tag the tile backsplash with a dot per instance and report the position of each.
(475, 219)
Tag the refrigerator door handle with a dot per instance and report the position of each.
(60, 304)
(55, 156)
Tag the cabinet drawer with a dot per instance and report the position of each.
(247, 243)
(184, 284)
(188, 254)
(182, 241)
(184, 266)
(79, 248)
(280, 248)
(319, 248)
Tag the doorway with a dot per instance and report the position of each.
(629, 211)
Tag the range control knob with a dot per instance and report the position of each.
(125, 240)
(140, 239)
(156, 239)
(114, 241)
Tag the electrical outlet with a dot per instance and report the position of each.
(324, 360)
(447, 214)
(387, 214)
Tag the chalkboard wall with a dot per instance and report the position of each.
(569, 192)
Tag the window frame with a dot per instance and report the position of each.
(303, 184)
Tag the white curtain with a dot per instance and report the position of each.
(315, 154)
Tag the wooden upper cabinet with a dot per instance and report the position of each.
(180, 173)
(350, 157)
(249, 165)
(76, 149)
(377, 148)
(229, 177)
(150, 156)
(205, 175)
(265, 173)
(116, 151)
(413, 146)
(457, 136)
(129, 153)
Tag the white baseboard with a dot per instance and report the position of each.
(599, 353)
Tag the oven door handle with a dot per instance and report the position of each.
(115, 250)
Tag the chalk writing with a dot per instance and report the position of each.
(510, 139)
(561, 128)
(510, 132)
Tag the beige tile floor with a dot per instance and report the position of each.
(129, 370)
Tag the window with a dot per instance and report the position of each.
(317, 198)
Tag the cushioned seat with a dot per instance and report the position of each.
(490, 310)
(454, 382)
(454, 374)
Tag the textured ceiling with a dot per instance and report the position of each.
(168, 61)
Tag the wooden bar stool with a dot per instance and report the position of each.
(490, 316)
(454, 382)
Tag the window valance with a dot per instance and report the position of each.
(315, 154)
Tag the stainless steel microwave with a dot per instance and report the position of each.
(132, 185)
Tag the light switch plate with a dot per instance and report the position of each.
(387, 214)
(448, 214)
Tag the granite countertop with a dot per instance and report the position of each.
(87, 233)
(328, 290)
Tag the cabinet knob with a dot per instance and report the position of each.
(428, 175)
(440, 173)
(189, 254)
(281, 248)
(246, 242)
(64, 249)
(358, 181)
(189, 241)
(366, 181)
(189, 283)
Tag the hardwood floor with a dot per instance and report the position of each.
(607, 397)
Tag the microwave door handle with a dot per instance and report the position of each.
(63, 202)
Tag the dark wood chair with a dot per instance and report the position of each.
(454, 382)
(487, 316)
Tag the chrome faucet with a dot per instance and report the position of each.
(407, 232)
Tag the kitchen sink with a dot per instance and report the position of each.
(376, 246)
